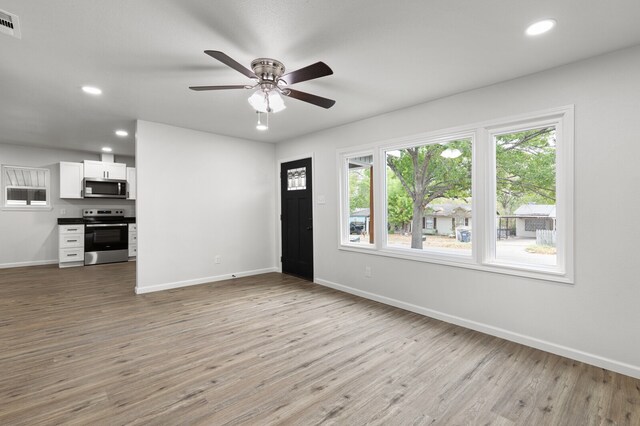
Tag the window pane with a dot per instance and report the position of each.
(17, 196)
(297, 179)
(526, 197)
(429, 197)
(360, 175)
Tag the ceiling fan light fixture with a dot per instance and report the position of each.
(276, 103)
(258, 101)
(269, 101)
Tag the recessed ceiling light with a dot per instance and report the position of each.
(122, 133)
(106, 149)
(540, 27)
(92, 90)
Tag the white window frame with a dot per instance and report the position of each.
(564, 195)
(442, 255)
(343, 192)
(5, 185)
(483, 195)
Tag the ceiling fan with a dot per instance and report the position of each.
(271, 81)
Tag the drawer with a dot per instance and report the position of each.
(133, 238)
(133, 251)
(71, 241)
(71, 255)
(71, 229)
(133, 227)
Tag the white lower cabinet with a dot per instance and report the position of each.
(70, 245)
(133, 240)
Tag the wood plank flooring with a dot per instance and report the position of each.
(78, 347)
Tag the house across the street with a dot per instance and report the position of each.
(442, 219)
(532, 217)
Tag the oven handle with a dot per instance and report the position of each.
(102, 225)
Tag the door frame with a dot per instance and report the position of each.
(279, 207)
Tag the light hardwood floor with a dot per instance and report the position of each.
(78, 347)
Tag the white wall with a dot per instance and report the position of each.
(201, 195)
(31, 237)
(597, 318)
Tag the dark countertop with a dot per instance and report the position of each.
(81, 221)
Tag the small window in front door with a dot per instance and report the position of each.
(297, 179)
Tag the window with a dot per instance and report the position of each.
(25, 188)
(496, 196)
(526, 197)
(432, 181)
(358, 217)
(297, 179)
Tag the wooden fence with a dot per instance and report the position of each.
(545, 237)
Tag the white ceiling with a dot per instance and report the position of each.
(385, 55)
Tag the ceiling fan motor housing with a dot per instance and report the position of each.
(268, 71)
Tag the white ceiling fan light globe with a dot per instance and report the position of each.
(276, 103)
(258, 101)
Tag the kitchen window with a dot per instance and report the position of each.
(25, 188)
(496, 196)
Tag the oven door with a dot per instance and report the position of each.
(106, 243)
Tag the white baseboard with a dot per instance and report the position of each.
(166, 286)
(575, 354)
(33, 263)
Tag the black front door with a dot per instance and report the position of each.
(297, 218)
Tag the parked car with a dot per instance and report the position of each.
(356, 228)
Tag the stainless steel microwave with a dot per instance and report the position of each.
(104, 188)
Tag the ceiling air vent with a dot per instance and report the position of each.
(9, 24)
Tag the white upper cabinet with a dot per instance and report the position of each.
(71, 175)
(131, 183)
(104, 170)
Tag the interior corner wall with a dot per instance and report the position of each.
(202, 195)
(31, 237)
(596, 319)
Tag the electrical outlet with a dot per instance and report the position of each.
(367, 271)
(218, 259)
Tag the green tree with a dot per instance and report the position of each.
(399, 205)
(427, 173)
(525, 168)
(359, 188)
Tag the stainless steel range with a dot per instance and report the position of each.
(106, 236)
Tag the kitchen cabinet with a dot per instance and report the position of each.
(71, 175)
(70, 245)
(104, 170)
(131, 183)
(133, 240)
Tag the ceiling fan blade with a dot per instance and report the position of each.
(308, 97)
(200, 88)
(319, 69)
(216, 54)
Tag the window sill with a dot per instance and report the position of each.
(27, 208)
(463, 261)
